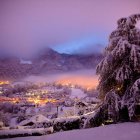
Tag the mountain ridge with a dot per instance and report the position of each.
(45, 61)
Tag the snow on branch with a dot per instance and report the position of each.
(123, 73)
(132, 98)
(128, 22)
(102, 66)
(121, 48)
(135, 56)
(112, 100)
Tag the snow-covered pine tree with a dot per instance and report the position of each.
(119, 71)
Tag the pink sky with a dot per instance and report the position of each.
(27, 25)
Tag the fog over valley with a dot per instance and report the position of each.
(86, 78)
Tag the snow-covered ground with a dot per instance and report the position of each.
(124, 131)
(25, 132)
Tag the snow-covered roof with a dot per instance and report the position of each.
(35, 119)
(66, 119)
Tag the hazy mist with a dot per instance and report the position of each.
(68, 26)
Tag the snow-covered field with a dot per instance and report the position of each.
(124, 131)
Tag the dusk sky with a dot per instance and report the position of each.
(68, 26)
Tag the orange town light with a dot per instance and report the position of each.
(4, 82)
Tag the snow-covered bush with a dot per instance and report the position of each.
(68, 123)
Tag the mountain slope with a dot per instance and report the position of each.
(46, 60)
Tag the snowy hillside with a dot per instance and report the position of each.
(124, 131)
(13, 68)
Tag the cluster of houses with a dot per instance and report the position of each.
(37, 107)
